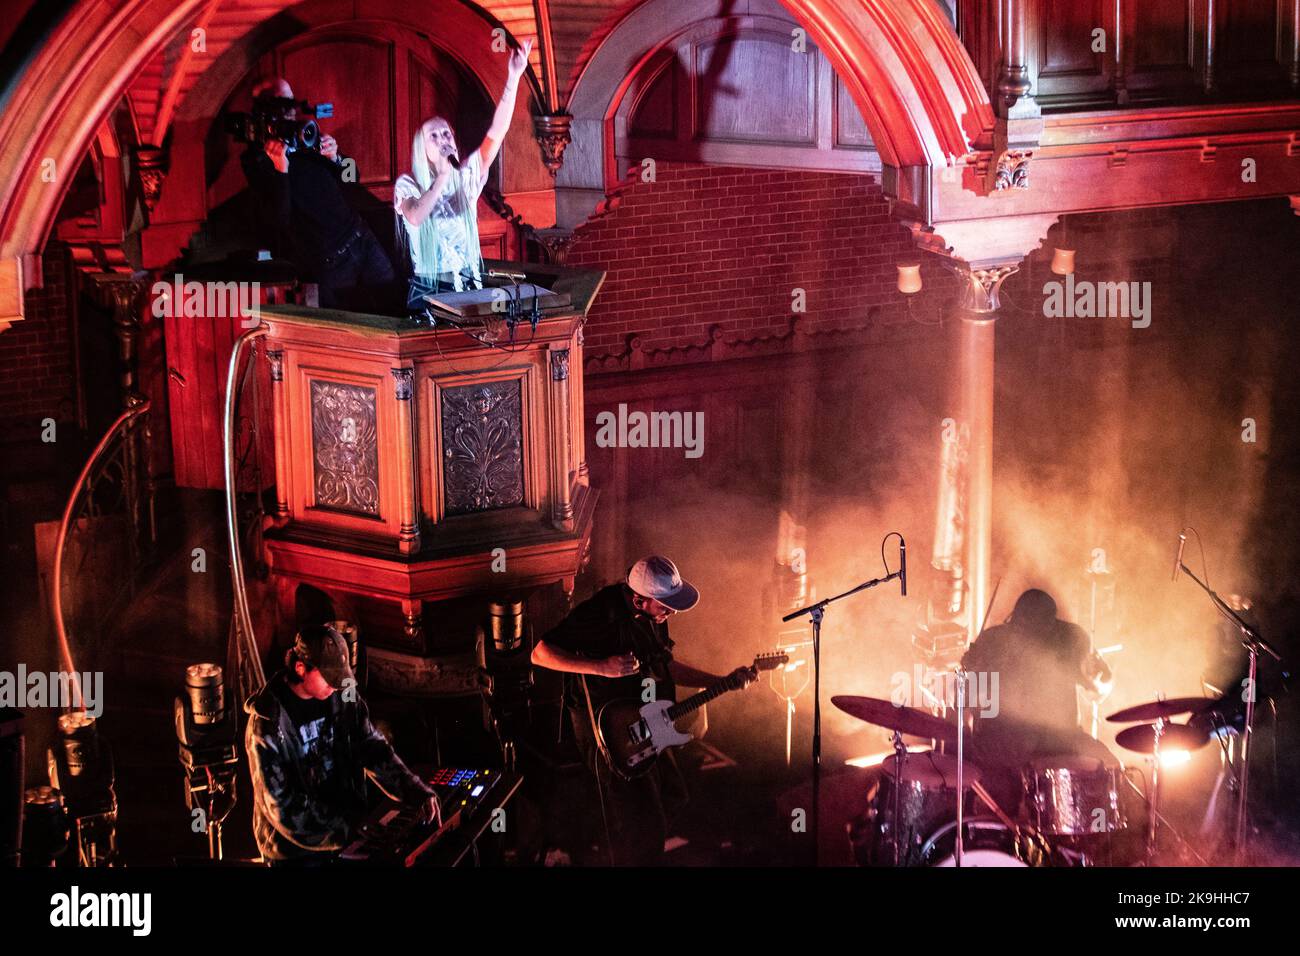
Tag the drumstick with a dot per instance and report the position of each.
(992, 804)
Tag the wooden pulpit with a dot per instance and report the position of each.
(418, 464)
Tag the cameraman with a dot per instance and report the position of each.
(301, 203)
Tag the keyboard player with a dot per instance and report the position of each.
(311, 747)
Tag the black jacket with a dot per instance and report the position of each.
(303, 213)
(295, 813)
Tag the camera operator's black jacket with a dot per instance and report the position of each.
(292, 819)
(304, 211)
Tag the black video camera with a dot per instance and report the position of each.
(269, 121)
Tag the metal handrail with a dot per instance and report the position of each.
(139, 408)
(243, 619)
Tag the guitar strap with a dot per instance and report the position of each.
(601, 757)
(591, 715)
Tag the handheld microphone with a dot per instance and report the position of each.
(1178, 561)
(454, 160)
(902, 557)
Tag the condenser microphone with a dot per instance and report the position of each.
(902, 559)
(1178, 561)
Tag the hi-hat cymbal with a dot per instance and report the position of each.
(1141, 739)
(906, 720)
(1157, 709)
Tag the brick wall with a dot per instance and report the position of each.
(705, 245)
(36, 360)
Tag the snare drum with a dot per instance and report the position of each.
(927, 798)
(1068, 795)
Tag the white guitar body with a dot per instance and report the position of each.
(632, 735)
(655, 732)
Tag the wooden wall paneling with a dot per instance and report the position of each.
(209, 385)
(850, 129)
(1068, 71)
(734, 92)
(978, 27)
(355, 73)
(1250, 45)
(186, 460)
(728, 107)
(655, 113)
(1164, 46)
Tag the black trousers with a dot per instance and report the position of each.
(359, 277)
(639, 812)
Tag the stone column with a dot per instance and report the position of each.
(977, 313)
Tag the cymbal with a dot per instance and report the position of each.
(1157, 709)
(1141, 739)
(906, 720)
(931, 770)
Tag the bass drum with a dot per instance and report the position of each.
(988, 842)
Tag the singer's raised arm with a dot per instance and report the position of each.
(505, 110)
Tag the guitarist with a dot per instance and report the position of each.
(616, 644)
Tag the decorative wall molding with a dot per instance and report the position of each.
(717, 346)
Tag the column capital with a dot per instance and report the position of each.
(980, 286)
(985, 243)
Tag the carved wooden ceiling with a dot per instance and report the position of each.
(564, 33)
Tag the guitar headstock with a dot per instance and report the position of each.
(771, 661)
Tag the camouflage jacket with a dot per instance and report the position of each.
(309, 783)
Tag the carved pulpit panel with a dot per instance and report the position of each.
(345, 447)
(482, 440)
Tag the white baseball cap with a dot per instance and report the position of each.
(657, 577)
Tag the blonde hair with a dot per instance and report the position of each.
(425, 237)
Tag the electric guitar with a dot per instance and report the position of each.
(632, 734)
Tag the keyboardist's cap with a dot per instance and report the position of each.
(325, 649)
(657, 577)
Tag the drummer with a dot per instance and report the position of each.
(1039, 660)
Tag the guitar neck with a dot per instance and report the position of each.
(696, 701)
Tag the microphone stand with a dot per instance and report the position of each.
(815, 613)
(1254, 643)
(960, 844)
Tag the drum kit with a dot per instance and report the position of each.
(1072, 810)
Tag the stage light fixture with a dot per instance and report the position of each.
(1174, 758)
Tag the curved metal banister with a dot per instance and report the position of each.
(243, 619)
(121, 427)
